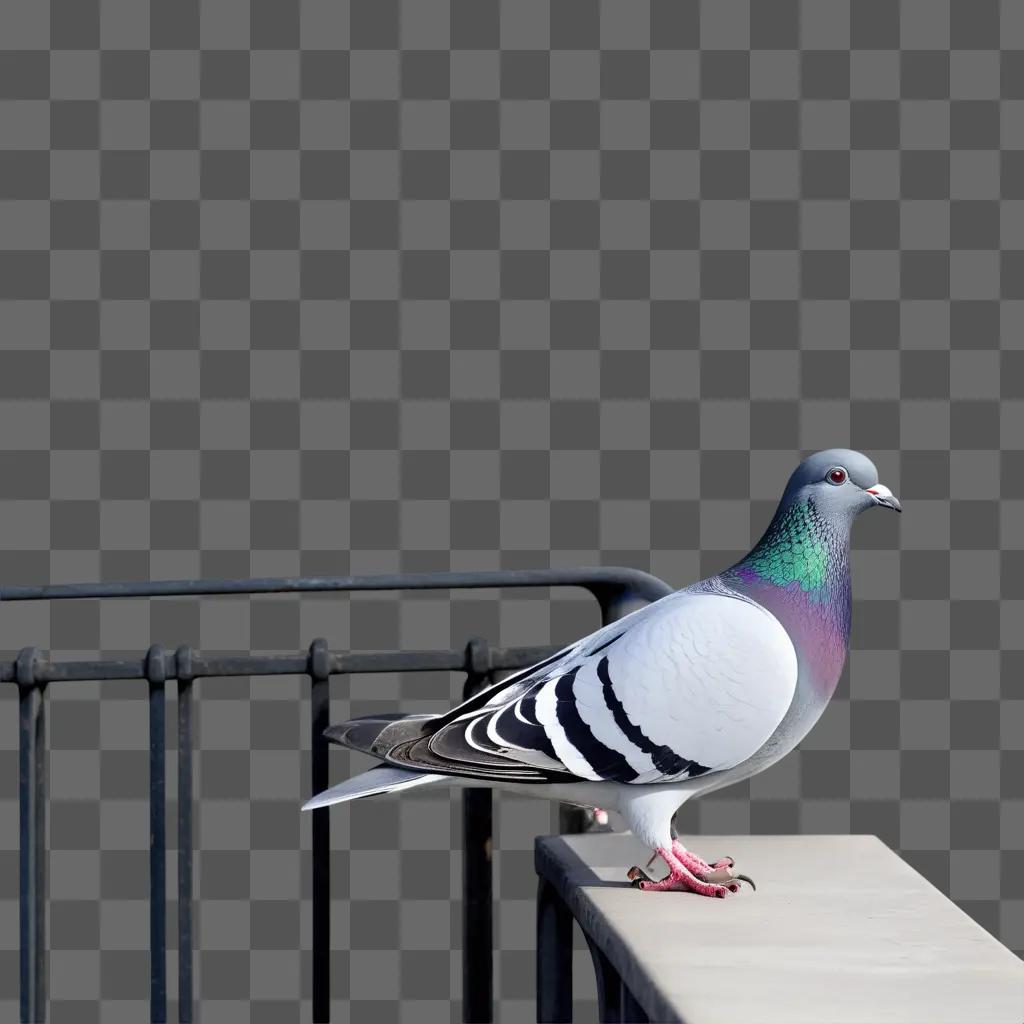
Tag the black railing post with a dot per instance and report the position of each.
(319, 673)
(554, 956)
(184, 674)
(477, 871)
(609, 984)
(156, 673)
(631, 1011)
(32, 835)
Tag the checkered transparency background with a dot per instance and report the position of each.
(367, 286)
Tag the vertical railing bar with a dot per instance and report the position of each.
(319, 708)
(183, 672)
(477, 871)
(554, 956)
(156, 673)
(26, 847)
(632, 1012)
(41, 854)
(609, 984)
(32, 840)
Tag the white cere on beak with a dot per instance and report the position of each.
(883, 496)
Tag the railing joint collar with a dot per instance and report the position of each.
(25, 666)
(319, 659)
(478, 656)
(183, 664)
(156, 666)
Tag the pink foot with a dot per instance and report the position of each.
(689, 883)
(696, 864)
(680, 879)
(720, 871)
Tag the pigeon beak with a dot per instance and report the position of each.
(883, 496)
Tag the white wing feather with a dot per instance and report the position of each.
(708, 676)
(697, 681)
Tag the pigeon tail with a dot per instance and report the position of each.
(382, 779)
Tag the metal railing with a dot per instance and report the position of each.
(616, 590)
(615, 1000)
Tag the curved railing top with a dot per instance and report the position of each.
(624, 582)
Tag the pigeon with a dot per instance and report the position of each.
(701, 689)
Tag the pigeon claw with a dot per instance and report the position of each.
(725, 876)
(638, 876)
(717, 874)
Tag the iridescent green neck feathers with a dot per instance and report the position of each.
(795, 550)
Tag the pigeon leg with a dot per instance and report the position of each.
(720, 871)
(696, 864)
(679, 879)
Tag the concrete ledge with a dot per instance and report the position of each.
(840, 931)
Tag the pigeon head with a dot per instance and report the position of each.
(800, 569)
(840, 483)
(807, 541)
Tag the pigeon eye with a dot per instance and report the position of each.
(836, 476)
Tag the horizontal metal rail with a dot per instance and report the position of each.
(44, 671)
(616, 590)
(611, 583)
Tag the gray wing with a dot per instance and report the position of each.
(493, 735)
(694, 683)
